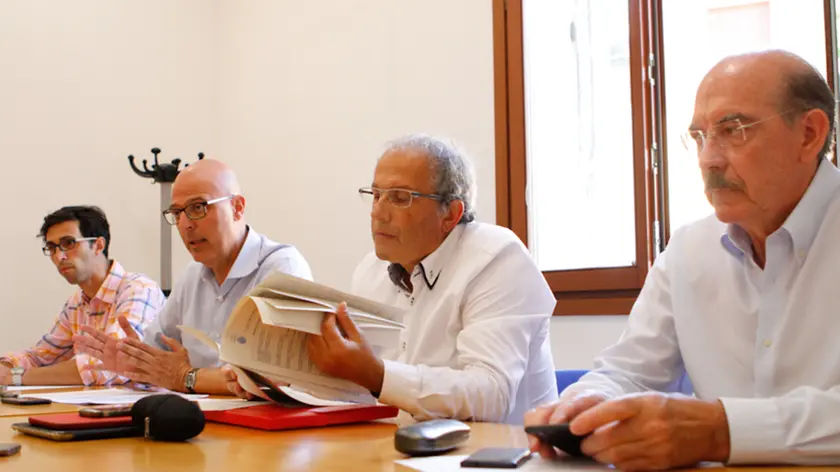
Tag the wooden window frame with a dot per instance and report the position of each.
(586, 291)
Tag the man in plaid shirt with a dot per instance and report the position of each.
(76, 239)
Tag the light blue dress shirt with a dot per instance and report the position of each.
(763, 341)
(198, 301)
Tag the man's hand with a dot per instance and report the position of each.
(654, 431)
(561, 411)
(346, 355)
(103, 347)
(232, 383)
(147, 364)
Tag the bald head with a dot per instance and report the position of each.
(208, 175)
(779, 78)
(211, 214)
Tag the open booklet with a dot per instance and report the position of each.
(265, 340)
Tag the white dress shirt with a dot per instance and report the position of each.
(764, 342)
(476, 342)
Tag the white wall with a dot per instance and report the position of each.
(299, 97)
(313, 93)
(82, 85)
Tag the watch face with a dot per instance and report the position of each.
(190, 380)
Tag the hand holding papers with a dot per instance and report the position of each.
(265, 339)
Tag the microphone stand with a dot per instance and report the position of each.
(163, 174)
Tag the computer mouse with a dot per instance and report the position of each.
(431, 437)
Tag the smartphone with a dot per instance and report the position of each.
(25, 401)
(9, 449)
(498, 458)
(106, 411)
(559, 436)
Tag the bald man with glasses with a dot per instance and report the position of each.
(230, 259)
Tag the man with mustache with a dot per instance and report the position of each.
(744, 301)
(477, 308)
(77, 240)
(230, 259)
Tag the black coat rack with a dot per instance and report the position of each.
(163, 174)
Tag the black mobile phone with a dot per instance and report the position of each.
(106, 411)
(498, 458)
(9, 449)
(25, 401)
(559, 436)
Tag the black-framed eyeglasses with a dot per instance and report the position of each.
(66, 244)
(194, 211)
(398, 197)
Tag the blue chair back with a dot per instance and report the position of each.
(566, 377)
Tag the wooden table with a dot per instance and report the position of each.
(364, 447)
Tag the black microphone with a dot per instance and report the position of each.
(167, 417)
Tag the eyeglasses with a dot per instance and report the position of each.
(398, 197)
(731, 133)
(66, 245)
(194, 211)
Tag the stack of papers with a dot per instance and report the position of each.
(108, 396)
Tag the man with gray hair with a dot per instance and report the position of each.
(477, 308)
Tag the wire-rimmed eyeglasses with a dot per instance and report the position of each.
(398, 197)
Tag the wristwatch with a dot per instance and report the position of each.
(17, 375)
(189, 380)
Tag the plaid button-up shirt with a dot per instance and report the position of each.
(122, 293)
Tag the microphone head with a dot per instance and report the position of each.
(168, 417)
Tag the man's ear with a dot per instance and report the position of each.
(817, 129)
(453, 215)
(238, 207)
(99, 245)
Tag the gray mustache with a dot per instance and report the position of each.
(715, 180)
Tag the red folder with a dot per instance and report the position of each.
(72, 421)
(275, 417)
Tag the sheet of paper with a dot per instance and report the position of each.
(30, 388)
(534, 464)
(108, 396)
(305, 289)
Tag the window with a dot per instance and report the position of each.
(592, 96)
